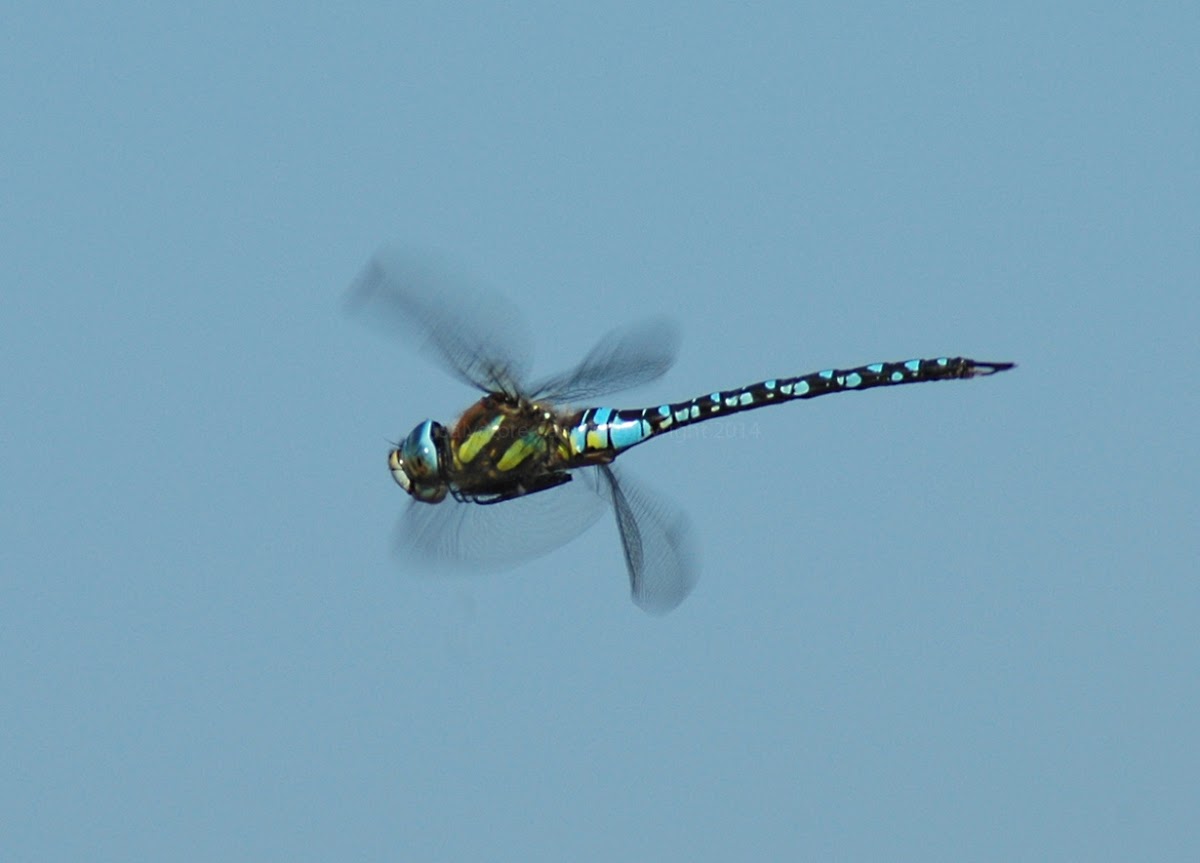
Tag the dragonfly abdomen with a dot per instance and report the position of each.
(600, 430)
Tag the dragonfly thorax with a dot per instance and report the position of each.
(417, 463)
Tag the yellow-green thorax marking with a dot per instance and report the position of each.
(501, 440)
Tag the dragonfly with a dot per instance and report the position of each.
(525, 468)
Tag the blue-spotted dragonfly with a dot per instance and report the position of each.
(477, 487)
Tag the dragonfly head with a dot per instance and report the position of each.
(417, 463)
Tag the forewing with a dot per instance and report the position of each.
(476, 335)
(461, 535)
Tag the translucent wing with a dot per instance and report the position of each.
(494, 536)
(477, 336)
(620, 360)
(657, 541)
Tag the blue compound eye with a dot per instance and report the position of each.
(419, 452)
(416, 465)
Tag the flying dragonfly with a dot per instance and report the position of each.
(524, 469)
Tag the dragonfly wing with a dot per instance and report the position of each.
(456, 535)
(620, 360)
(658, 549)
(478, 336)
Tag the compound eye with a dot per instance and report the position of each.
(419, 453)
(416, 464)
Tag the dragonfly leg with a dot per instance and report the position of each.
(519, 488)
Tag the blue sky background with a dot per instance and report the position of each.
(949, 622)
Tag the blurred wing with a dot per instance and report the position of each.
(656, 537)
(477, 336)
(494, 536)
(621, 360)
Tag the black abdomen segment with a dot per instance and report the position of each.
(604, 428)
